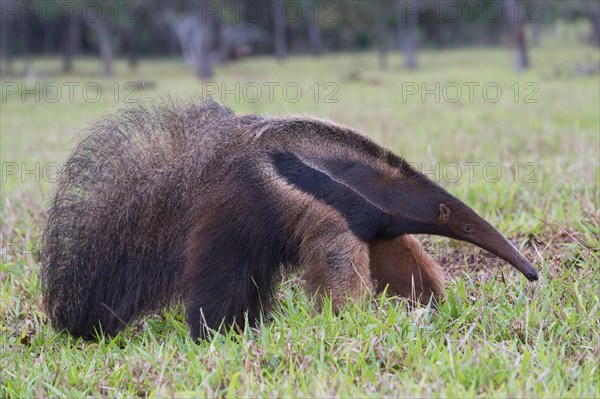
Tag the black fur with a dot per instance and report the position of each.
(190, 202)
(363, 216)
(170, 202)
(247, 249)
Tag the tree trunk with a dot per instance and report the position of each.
(314, 30)
(223, 47)
(514, 16)
(203, 64)
(203, 41)
(382, 47)
(407, 18)
(49, 29)
(536, 33)
(71, 42)
(593, 12)
(280, 30)
(104, 41)
(5, 44)
(536, 30)
(132, 50)
(106, 50)
(27, 40)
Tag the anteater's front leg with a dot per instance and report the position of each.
(229, 270)
(402, 265)
(335, 261)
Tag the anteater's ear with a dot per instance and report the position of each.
(444, 214)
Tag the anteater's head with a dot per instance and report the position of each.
(457, 220)
(420, 206)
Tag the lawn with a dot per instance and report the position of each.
(522, 150)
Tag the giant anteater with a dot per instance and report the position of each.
(187, 201)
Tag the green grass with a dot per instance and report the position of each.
(495, 335)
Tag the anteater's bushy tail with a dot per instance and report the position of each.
(113, 246)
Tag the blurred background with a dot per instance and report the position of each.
(210, 33)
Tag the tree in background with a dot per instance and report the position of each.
(515, 18)
(71, 38)
(204, 36)
(382, 45)
(196, 37)
(6, 38)
(279, 30)
(208, 32)
(593, 12)
(407, 19)
(312, 26)
(95, 17)
(536, 29)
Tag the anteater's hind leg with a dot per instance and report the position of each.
(401, 265)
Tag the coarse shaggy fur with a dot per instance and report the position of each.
(187, 201)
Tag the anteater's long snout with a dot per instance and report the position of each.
(528, 270)
(512, 255)
(493, 241)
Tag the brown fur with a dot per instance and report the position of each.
(189, 202)
(401, 266)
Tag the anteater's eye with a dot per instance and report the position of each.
(468, 228)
